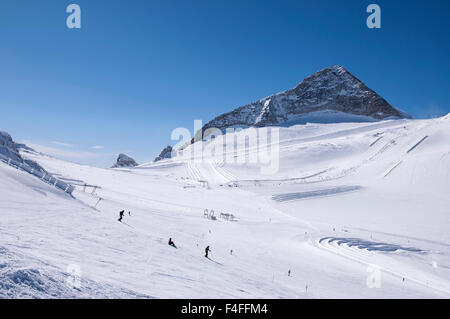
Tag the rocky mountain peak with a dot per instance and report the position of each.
(8, 147)
(331, 89)
(330, 95)
(124, 160)
(165, 153)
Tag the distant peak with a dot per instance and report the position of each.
(125, 161)
(339, 69)
(332, 73)
(165, 153)
(5, 135)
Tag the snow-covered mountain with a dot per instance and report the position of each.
(330, 95)
(165, 153)
(123, 161)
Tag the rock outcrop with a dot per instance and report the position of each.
(333, 88)
(124, 161)
(165, 153)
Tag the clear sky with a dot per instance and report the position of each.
(138, 69)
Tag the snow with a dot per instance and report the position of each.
(330, 93)
(339, 206)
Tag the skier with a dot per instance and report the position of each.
(171, 243)
(289, 273)
(231, 252)
(121, 215)
(207, 250)
(129, 213)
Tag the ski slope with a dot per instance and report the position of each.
(346, 198)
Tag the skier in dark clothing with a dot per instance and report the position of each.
(171, 243)
(207, 250)
(121, 215)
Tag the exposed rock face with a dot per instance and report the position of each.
(10, 150)
(8, 147)
(165, 153)
(24, 148)
(124, 161)
(333, 88)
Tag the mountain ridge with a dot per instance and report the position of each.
(124, 161)
(333, 88)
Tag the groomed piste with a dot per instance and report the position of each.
(339, 205)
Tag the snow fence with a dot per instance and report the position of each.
(46, 177)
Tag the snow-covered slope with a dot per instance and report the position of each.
(348, 198)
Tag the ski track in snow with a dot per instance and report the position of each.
(315, 193)
(417, 144)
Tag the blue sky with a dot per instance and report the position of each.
(138, 69)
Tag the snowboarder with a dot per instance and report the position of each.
(171, 243)
(207, 250)
(121, 215)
